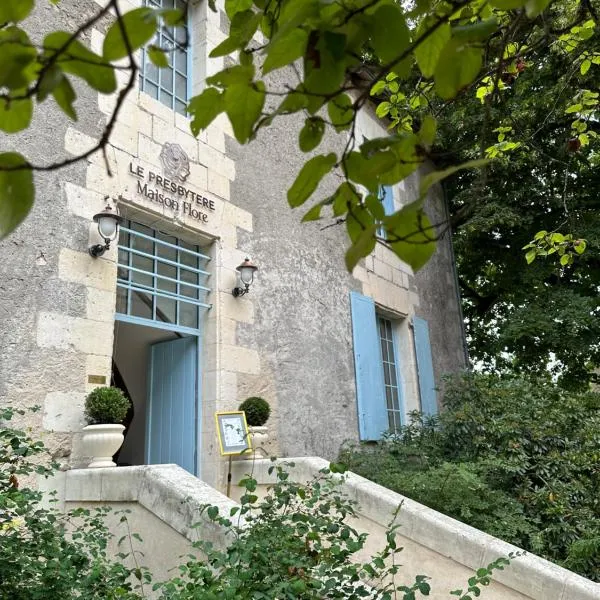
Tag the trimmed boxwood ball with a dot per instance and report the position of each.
(257, 411)
(106, 405)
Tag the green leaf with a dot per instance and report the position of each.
(428, 130)
(344, 196)
(479, 31)
(157, 56)
(232, 75)
(458, 66)
(364, 245)
(140, 26)
(314, 214)
(77, 60)
(173, 17)
(309, 177)
(49, 79)
(429, 50)
(366, 170)
(565, 259)
(243, 27)
(378, 87)
(232, 7)
(534, 7)
(585, 66)
(285, 49)
(15, 115)
(389, 33)
(13, 11)
(432, 178)
(530, 256)
(341, 112)
(65, 96)
(311, 134)
(205, 108)
(417, 241)
(243, 104)
(16, 193)
(507, 4)
(16, 58)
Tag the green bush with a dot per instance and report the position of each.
(45, 553)
(106, 405)
(518, 459)
(257, 411)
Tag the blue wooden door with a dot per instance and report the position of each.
(171, 412)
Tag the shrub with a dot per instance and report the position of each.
(515, 458)
(106, 405)
(257, 411)
(45, 553)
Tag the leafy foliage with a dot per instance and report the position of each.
(514, 458)
(442, 50)
(257, 410)
(297, 543)
(45, 553)
(106, 405)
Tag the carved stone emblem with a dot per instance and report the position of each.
(175, 162)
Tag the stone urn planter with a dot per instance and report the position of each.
(259, 435)
(257, 411)
(101, 442)
(105, 411)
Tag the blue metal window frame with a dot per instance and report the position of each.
(396, 417)
(143, 79)
(152, 292)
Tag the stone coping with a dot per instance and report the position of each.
(168, 491)
(530, 575)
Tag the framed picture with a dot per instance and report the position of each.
(232, 431)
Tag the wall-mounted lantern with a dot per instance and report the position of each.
(246, 271)
(108, 227)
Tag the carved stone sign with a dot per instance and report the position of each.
(175, 162)
(168, 189)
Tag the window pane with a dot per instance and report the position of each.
(166, 79)
(150, 71)
(144, 264)
(188, 315)
(141, 305)
(166, 98)
(181, 107)
(180, 86)
(151, 89)
(181, 60)
(167, 271)
(165, 310)
(189, 292)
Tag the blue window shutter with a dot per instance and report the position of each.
(370, 392)
(387, 197)
(425, 367)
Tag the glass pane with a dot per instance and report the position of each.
(151, 89)
(180, 86)
(165, 251)
(167, 271)
(166, 98)
(393, 380)
(181, 107)
(188, 276)
(190, 292)
(141, 305)
(388, 398)
(384, 354)
(188, 315)
(166, 79)
(165, 310)
(121, 301)
(144, 264)
(150, 71)
(182, 35)
(181, 60)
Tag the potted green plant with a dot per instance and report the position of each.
(105, 410)
(257, 412)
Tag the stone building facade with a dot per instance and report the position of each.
(309, 335)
